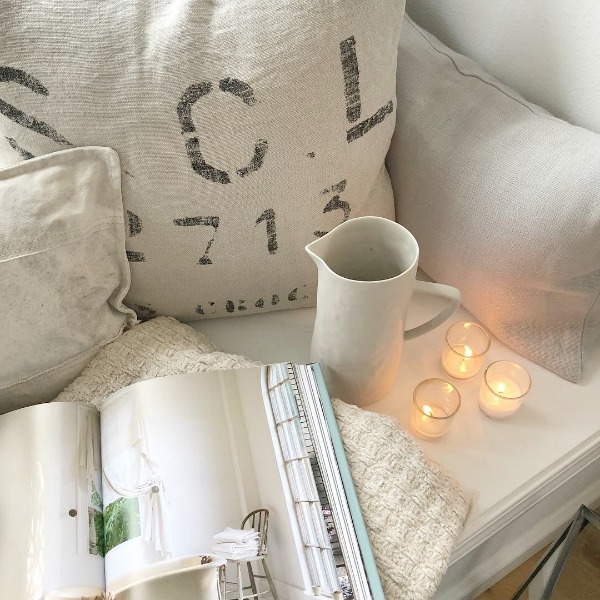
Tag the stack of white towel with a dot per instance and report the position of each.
(236, 543)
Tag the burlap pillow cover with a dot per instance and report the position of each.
(245, 129)
(504, 200)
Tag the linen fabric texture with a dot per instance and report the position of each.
(63, 270)
(414, 512)
(504, 200)
(245, 129)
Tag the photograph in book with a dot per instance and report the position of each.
(206, 482)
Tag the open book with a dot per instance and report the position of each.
(184, 459)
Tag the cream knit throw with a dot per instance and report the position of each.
(414, 513)
(156, 348)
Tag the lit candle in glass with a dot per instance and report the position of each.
(503, 389)
(435, 402)
(466, 346)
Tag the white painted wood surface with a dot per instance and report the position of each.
(529, 474)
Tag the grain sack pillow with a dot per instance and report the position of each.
(245, 129)
(63, 270)
(504, 200)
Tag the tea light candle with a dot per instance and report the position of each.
(503, 389)
(435, 402)
(466, 346)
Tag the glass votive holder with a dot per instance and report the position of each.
(435, 402)
(504, 386)
(466, 346)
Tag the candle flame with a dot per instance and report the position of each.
(501, 387)
(427, 410)
(467, 353)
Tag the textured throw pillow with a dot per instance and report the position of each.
(63, 270)
(245, 130)
(504, 200)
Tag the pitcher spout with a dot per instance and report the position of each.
(330, 244)
(315, 251)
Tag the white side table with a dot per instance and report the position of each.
(529, 474)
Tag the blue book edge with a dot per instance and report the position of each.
(357, 518)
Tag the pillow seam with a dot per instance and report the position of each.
(479, 78)
(583, 330)
(60, 367)
(102, 224)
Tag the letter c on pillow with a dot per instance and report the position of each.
(190, 96)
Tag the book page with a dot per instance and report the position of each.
(184, 458)
(50, 503)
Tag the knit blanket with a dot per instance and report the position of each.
(414, 511)
(156, 348)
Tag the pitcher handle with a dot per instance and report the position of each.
(434, 289)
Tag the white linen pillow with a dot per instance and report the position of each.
(245, 130)
(63, 270)
(504, 200)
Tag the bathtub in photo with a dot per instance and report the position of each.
(184, 578)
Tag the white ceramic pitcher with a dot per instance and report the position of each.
(367, 274)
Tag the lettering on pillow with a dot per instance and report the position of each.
(220, 230)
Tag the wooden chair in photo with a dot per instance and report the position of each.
(259, 521)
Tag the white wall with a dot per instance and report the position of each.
(209, 437)
(184, 423)
(284, 537)
(548, 50)
(39, 546)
